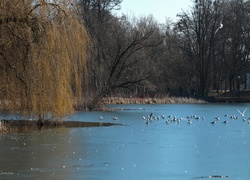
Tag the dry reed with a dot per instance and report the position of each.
(165, 100)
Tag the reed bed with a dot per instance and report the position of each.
(164, 100)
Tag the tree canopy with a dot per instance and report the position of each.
(42, 57)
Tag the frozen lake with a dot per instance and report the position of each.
(176, 150)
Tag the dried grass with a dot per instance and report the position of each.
(165, 100)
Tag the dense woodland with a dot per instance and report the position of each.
(56, 55)
(206, 49)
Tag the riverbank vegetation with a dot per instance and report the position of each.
(160, 100)
(59, 55)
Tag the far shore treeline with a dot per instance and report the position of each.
(58, 56)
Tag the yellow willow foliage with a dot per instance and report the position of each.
(42, 58)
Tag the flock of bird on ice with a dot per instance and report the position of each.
(189, 119)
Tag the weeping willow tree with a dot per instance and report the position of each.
(42, 57)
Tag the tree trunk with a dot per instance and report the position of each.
(93, 103)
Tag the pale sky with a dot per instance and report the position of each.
(160, 9)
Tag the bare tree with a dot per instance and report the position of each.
(97, 17)
(118, 48)
(128, 47)
(236, 42)
(198, 32)
(173, 70)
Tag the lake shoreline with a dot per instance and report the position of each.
(31, 125)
